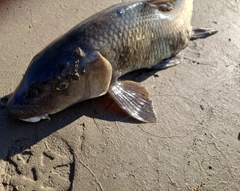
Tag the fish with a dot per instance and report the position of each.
(88, 60)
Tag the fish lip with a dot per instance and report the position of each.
(24, 111)
(37, 118)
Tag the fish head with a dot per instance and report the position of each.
(58, 77)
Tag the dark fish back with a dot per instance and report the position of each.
(134, 35)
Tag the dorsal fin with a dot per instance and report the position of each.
(162, 5)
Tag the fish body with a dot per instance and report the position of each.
(87, 61)
(137, 35)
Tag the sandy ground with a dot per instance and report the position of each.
(195, 145)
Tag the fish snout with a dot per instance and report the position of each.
(19, 109)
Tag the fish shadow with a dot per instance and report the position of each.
(16, 136)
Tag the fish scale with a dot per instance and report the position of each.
(122, 42)
(87, 61)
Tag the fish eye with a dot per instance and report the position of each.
(63, 85)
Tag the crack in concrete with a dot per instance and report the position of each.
(165, 137)
(91, 172)
(95, 122)
(35, 29)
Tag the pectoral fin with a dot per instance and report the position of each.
(162, 5)
(202, 33)
(133, 99)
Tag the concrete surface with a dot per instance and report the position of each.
(195, 145)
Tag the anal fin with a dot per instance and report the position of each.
(162, 5)
(133, 98)
(198, 33)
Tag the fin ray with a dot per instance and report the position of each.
(167, 63)
(162, 5)
(133, 99)
(199, 33)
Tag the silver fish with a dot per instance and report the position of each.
(87, 61)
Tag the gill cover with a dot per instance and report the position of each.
(58, 77)
(99, 77)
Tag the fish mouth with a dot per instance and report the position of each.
(36, 119)
(27, 114)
